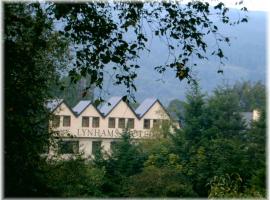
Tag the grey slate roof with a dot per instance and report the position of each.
(81, 106)
(109, 105)
(145, 106)
(52, 104)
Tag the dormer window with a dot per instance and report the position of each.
(130, 123)
(146, 123)
(85, 121)
(121, 123)
(156, 123)
(111, 122)
(95, 122)
(55, 121)
(66, 121)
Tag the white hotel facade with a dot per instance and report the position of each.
(85, 128)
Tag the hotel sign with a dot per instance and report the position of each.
(105, 133)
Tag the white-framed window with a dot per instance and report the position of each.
(111, 122)
(95, 122)
(146, 123)
(85, 121)
(130, 123)
(121, 122)
(66, 120)
(55, 121)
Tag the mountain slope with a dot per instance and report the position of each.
(246, 61)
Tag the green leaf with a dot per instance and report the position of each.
(220, 53)
(133, 46)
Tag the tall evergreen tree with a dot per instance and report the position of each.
(194, 114)
(176, 108)
(188, 140)
(251, 95)
(223, 113)
(212, 140)
(124, 161)
(221, 144)
(31, 50)
(256, 151)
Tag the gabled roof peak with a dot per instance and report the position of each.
(145, 106)
(81, 106)
(52, 104)
(109, 105)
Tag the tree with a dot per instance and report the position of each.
(251, 95)
(188, 141)
(256, 140)
(222, 140)
(163, 174)
(159, 152)
(75, 177)
(223, 111)
(194, 114)
(176, 108)
(227, 186)
(31, 52)
(230, 186)
(212, 140)
(111, 36)
(160, 182)
(124, 161)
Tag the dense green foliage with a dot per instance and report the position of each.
(32, 54)
(176, 109)
(251, 96)
(72, 93)
(124, 162)
(72, 178)
(213, 155)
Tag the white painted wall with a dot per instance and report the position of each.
(86, 135)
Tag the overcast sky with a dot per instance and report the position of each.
(254, 5)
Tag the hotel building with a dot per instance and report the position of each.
(85, 128)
